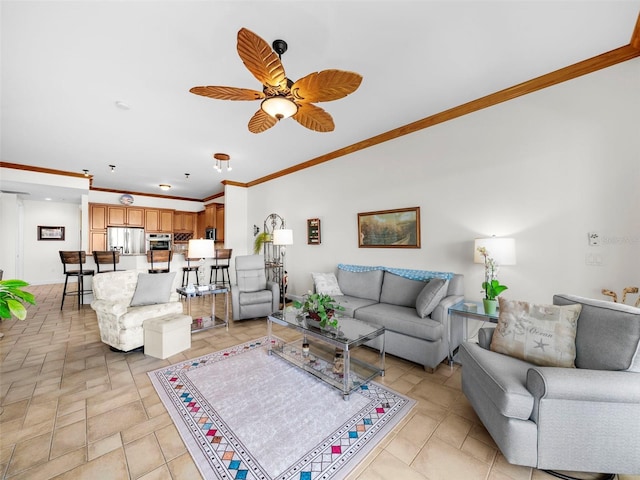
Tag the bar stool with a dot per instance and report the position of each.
(161, 256)
(221, 260)
(69, 258)
(106, 257)
(189, 268)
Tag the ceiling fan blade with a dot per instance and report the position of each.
(261, 60)
(325, 86)
(228, 93)
(261, 122)
(314, 118)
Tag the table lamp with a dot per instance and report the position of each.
(201, 248)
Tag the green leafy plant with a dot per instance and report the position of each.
(491, 286)
(492, 289)
(12, 299)
(321, 307)
(259, 241)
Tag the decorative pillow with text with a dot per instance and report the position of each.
(541, 334)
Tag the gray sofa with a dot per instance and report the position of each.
(387, 297)
(584, 419)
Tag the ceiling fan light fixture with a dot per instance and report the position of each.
(279, 107)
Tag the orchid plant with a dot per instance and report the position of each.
(491, 285)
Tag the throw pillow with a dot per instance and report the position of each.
(153, 288)
(326, 283)
(430, 296)
(541, 334)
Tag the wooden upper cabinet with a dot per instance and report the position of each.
(220, 222)
(98, 217)
(184, 221)
(125, 216)
(166, 221)
(210, 216)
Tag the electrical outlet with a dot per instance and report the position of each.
(594, 239)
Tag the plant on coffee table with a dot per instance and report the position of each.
(321, 307)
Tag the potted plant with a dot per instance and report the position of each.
(259, 241)
(12, 298)
(320, 307)
(491, 285)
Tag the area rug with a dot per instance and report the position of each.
(244, 414)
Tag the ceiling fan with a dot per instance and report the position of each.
(281, 97)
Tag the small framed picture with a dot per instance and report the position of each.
(50, 233)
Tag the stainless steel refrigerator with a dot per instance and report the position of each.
(127, 240)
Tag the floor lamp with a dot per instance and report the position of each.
(283, 237)
(201, 249)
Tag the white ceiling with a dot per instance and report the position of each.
(66, 63)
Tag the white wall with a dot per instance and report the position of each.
(546, 169)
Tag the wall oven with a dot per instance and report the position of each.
(159, 241)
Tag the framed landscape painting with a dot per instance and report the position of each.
(50, 233)
(398, 228)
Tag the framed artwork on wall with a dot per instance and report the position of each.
(399, 228)
(50, 233)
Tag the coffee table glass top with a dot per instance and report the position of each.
(350, 331)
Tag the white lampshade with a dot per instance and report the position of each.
(283, 236)
(279, 107)
(502, 250)
(201, 248)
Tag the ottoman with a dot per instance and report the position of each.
(167, 335)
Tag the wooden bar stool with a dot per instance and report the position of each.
(190, 268)
(70, 258)
(106, 257)
(159, 256)
(221, 261)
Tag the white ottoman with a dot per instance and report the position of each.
(166, 336)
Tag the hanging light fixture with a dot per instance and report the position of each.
(220, 159)
(164, 186)
(113, 168)
(186, 175)
(279, 107)
(86, 172)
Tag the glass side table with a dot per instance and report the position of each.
(465, 310)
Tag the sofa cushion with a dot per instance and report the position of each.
(402, 320)
(326, 283)
(153, 288)
(255, 298)
(361, 284)
(502, 378)
(430, 296)
(608, 336)
(352, 304)
(540, 334)
(398, 290)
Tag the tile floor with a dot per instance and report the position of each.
(73, 409)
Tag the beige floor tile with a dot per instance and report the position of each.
(454, 429)
(479, 450)
(183, 467)
(109, 466)
(143, 456)
(104, 446)
(439, 460)
(387, 467)
(160, 473)
(39, 413)
(115, 420)
(170, 442)
(29, 453)
(514, 471)
(55, 467)
(69, 438)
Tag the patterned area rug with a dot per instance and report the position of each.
(244, 414)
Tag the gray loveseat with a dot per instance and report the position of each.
(579, 419)
(392, 298)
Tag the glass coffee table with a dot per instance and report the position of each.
(327, 353)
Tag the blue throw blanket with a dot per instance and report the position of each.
(421, 275)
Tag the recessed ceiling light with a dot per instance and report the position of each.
(122, 106)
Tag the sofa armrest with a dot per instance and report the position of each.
(583, 385)
(275, 291)
(108, 307)
(441, 312)
(485, 335)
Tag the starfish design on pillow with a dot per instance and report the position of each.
(540, 344)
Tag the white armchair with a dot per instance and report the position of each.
(120, 315)
(253, 296)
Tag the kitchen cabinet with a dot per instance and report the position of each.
(158, 220)
(220, 222)
(125, 216)
(184, 221)
(97, 240)
(97, 217)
